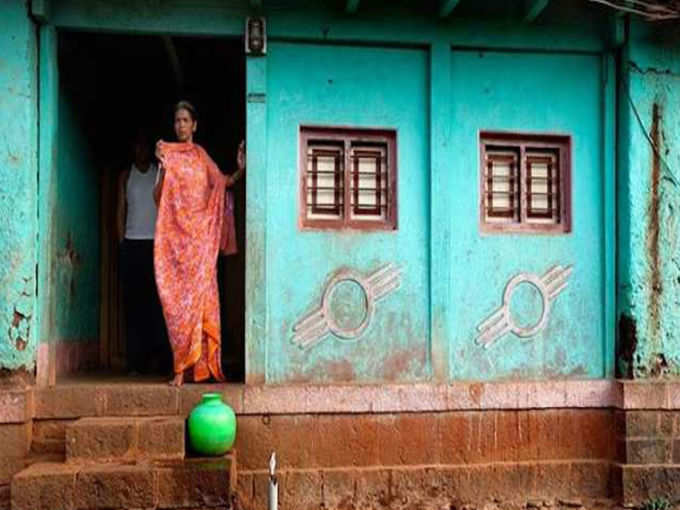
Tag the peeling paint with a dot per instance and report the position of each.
(652, 238)
(649, 275)
(626, 347)
(300, 89)
(18, 186)
(20, 330)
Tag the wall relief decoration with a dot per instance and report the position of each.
(347, 305)
(501, 322)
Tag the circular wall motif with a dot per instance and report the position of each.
(526, 305)
(512, 286)
(347, 303)
(501, 321)
(341, 321)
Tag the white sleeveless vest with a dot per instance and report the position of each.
(141, 208)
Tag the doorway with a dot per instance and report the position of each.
(112, 86)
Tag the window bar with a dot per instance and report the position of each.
(522, 191)
(511, 194)
(513, 197)
(549, 170)
(378, 185)
(555, 180)
(549, 212)
(346, 179)
(314, 181)
(333, 208)
(489, 186)
(564, 192)
(358, 207)
(355, 177)
(337, 167)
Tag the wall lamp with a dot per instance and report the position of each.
(256, 36)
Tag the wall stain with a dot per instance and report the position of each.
(18, 317)
(626, 346)
(653, 231)
(401, 362)
(69, 260)
(652, 70)
(659, 366)
(332, 370)
(476, 390)
(19, 330)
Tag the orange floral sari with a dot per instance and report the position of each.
(186, 245)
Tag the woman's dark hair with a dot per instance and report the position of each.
(186, 105)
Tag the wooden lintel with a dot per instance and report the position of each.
(446, 7)
(40, 10)
(534, 9)
(352, 6)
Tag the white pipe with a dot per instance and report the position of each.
(273, 484)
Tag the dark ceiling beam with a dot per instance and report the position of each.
(446, 7)
(352, 6)
(175, 64)
(534, 9)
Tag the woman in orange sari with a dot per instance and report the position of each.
(190, 194)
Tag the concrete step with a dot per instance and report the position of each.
(101, 440)
(179, 484)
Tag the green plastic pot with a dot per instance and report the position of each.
(211, 426)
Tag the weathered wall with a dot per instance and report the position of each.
(18, 185)
(572, 343)
(75, 225)
(464, 91)
(365, 87)
(400, 75)
(342, 444)
(649, 202)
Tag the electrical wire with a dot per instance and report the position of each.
(651, 11)
(671, 174)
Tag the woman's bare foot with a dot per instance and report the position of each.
(178, 380)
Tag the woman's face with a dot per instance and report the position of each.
(185, 126)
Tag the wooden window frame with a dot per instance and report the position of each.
(561, 144)
(355, 208)
(513, 181)
(338, 181)
(549, 185)
(349, 137)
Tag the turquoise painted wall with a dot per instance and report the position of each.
(295, 92)
(18, 186)
(649, 263)
(534, 93)
(365, 87)
(75, 227)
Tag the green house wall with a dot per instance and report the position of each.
(437, 83)
(18, 186)
(649, 157)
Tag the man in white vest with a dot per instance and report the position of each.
(147, 348)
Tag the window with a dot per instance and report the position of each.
(348, 178)
(525, 183)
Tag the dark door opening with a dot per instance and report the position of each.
(110, 87)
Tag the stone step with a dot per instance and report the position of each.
(101, 440)
(47, 446)
(179, 484)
